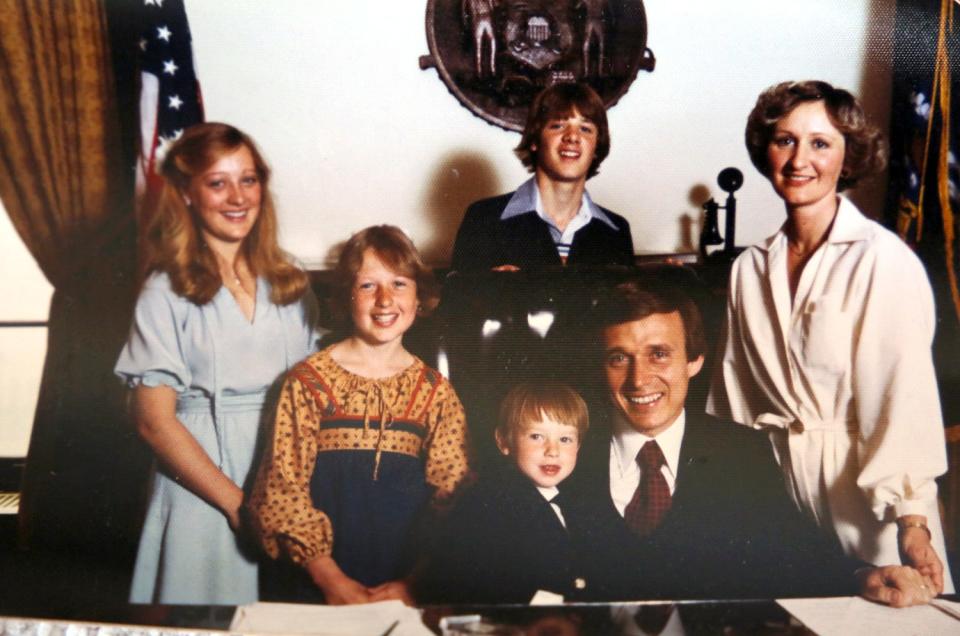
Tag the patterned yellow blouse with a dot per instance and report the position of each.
(353, 463)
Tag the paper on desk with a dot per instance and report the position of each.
(952, 608)
(854, 616)
(543, 597)
(329, 620)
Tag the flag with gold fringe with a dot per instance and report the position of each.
(924, 195)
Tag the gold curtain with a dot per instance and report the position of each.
(64, 186)
(59, 136)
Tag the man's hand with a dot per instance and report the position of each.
(895, 585)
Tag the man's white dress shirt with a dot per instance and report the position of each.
(626, 442)
(548, 494)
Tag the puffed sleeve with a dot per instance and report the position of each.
(280, 506)
(155, 351)
(901, 449)
(447, 462)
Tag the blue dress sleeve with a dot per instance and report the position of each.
(155, 351)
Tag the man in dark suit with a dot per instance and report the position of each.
(550, 221)
(687, 506)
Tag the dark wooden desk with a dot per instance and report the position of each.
(716, 617)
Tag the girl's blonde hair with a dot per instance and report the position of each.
(173, 242)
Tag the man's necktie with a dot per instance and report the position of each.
(651, 500)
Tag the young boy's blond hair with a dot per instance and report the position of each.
(530, 402)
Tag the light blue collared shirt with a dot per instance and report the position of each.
(527, 199)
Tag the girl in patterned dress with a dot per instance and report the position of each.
(367, 438)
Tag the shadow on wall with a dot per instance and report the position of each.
(875, 94)
(690, 226)
(461, 177)
(333, 254)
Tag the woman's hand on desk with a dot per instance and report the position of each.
(337, 587)
(913, 537)
(895, 585)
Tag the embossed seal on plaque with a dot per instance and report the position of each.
(496, 55)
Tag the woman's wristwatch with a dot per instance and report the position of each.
(903, 525)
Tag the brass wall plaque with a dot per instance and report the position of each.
(496, 55)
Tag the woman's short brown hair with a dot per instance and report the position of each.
(529, 402)
(559, 101)
(396, 251)
(865, 150)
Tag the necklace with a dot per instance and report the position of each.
(240, 289)
(229, 275)
(230, 278)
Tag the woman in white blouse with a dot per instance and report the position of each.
(827, 340)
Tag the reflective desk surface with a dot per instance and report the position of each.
(713, 617)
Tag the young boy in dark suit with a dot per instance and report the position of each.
(511, 535)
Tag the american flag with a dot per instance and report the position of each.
(170, 98)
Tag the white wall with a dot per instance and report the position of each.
(26, 295)
(358, 134)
